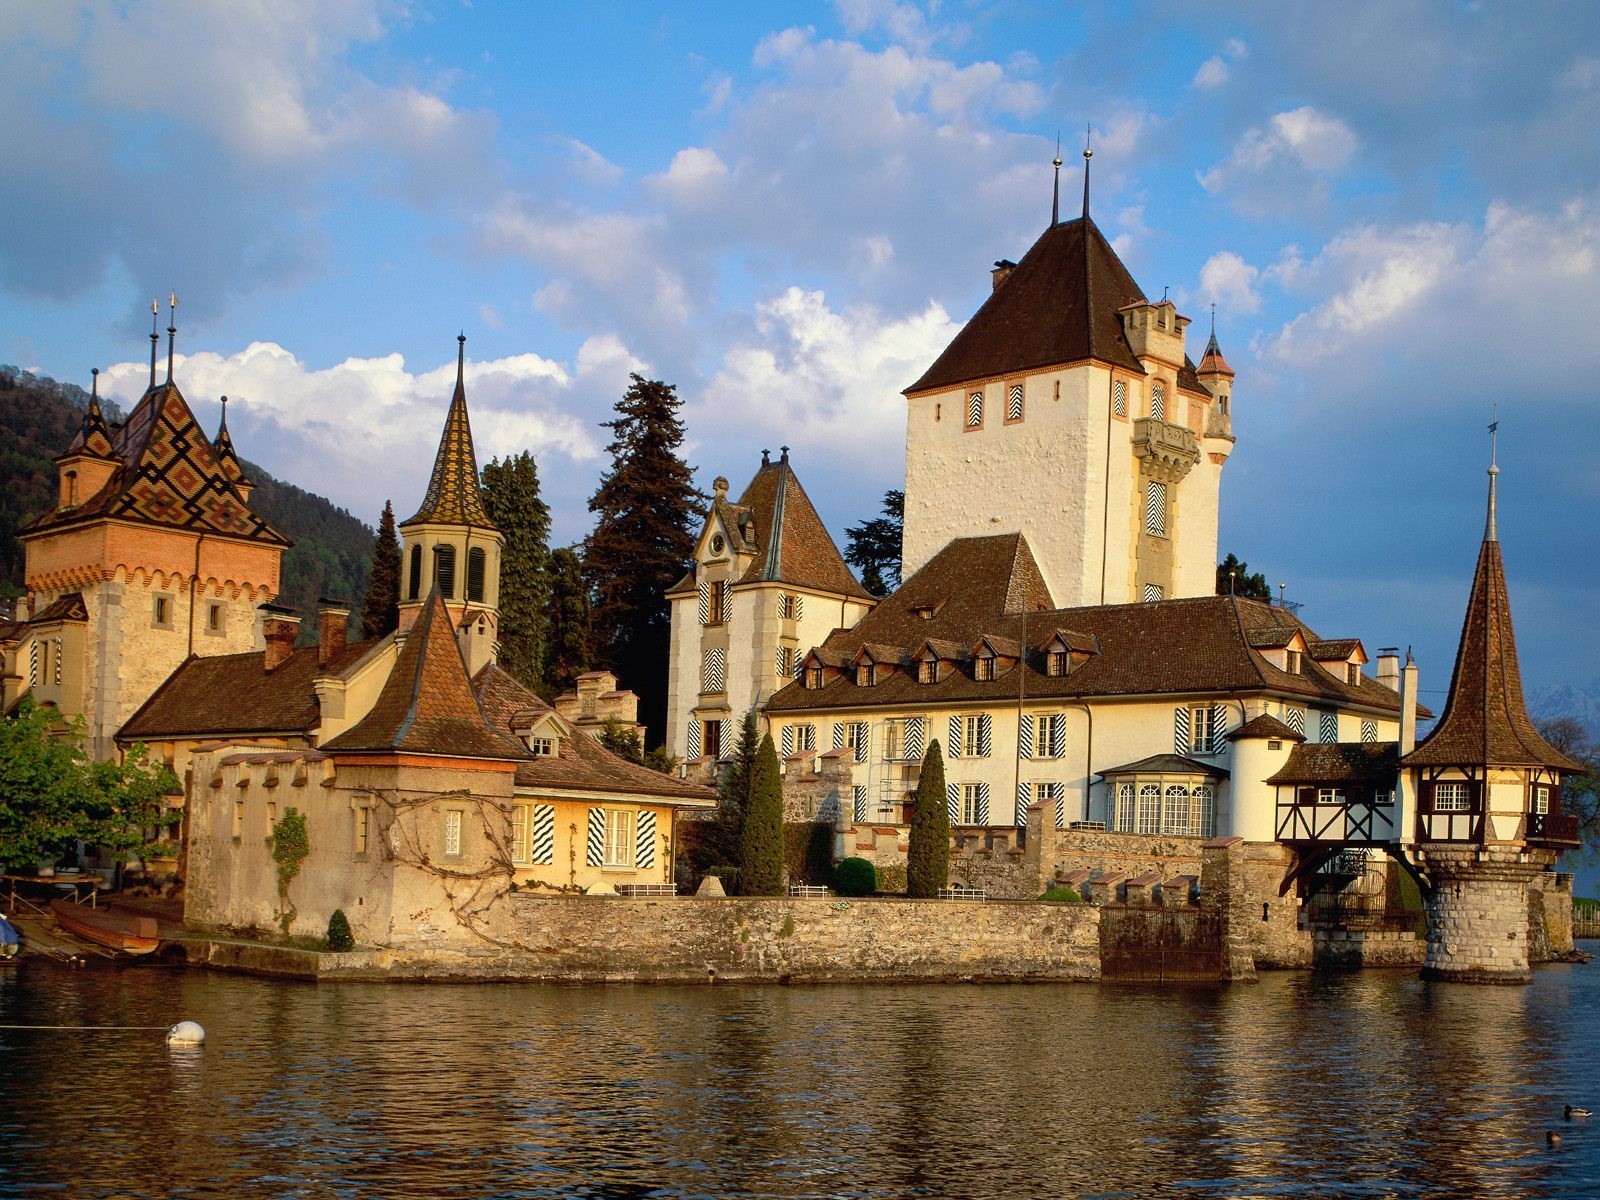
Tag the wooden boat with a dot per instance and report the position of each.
(106, 927)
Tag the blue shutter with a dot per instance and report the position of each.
(858, 801)
(952, 800)
(1024, 794)
(916, 730)
(1025, 737)
(645, 843)
(983, 804)
(983, 737)
(953, 750)
(1180, 730)
(787, 738)
(542, 852)
(597, 837)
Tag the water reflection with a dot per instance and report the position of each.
(1339, 1085)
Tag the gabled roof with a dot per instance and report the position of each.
(1265, 726)
(1485, 718)
(1167, 764)
(169, 474)
(1341, 762)
(427, 705)
(787, 536)
(454, 496)
(1334, 649)
(1059, 305)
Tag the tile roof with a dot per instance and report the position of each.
(169, 474)
(1167, 764)
(1264, 726)
(94, 436)
(66, 607)
(1333, 649)
(454, 496)
(583, 764)
(1485, 718)
(427, 705)
(233, 695)
(1341, 762)
(223, 445)
(788, 538)
(1185, 646)
(1060, 304)
(1212, 360)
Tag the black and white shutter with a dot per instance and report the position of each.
(597, 837)
(645, 843)
(983, 804)
(952, 800)
(953, 750)
(725, 737)
(694, 739)
(858, 802)
(1058, 734)
(1369, 731)
(861, 741)
(1295, 719)
(1025, 737)
(705, 603)
(983, 737)
(838, 735)
(542, 850)
(916, 731)
(787, 739)
(1180, 730)
(1024, 794)
(1219, 725)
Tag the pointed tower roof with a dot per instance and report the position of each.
(791, 544)
(93, 437)
(1213, 362)
(1059, 305)
(1486, 720)
(223, 445)
(427, 705)
(454, 496)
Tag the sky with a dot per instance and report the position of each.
(788, 211)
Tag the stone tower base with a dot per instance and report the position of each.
(1478, 914)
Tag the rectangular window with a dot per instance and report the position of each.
(711, 739)
(975, 411)
(541, 747)
(1452, 797)
(161, 612)
(971, 796)
(970, 728)
(805, 737)
(1292, 658)
(362, 817)
(814, 679)
(1050, 735)
(1203, 730)
(1328, 795)
(1383, 797)
(785, 661)
(1056, 663)
(789, 606)
(1541, 799)
(983, 669)
(867, 674)
(717, 603)
(214, 618)
(452, 833)
(1155, 508)
(1352, 674)
(521, 832)
(855, 737)
(1149, 808)
(1119, 398)
(238, 818)
(927, 671)
(1122, 816)
(619, 838)
(1013, 403)
(894, 739)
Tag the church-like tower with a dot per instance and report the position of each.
(1068, 410)
(450, 543)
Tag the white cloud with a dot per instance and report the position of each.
(1285, 163)
(1213, 72)
(1228, 280)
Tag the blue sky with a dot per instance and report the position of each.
(788, 211)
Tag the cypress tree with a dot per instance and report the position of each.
(380, 611)
(511, 494)
(928, 856)
(761, 843)
(566, 623)
(733, 791)
(646, 510)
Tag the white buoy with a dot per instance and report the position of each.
(186, 1033)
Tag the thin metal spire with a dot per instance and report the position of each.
(155, 338)
(1055, 196)
(461, 359)
(172, 331)
(1490, 533)
(223, 428)
(94, 392)
(1088, 153)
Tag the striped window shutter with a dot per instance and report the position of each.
(694, 739)
(1180, 730)
(725, 738)
(1119, 398)
(645, 842)
(858, 802)
(727, 598)
(597, 837)
(975, 410)
(33, 662)
(916, 731)
(983, 804)
(1158, 402)
(1152, 593)
(542, 851)
(1058, 735)
(1328, 727)
(705, 603)
(1219, 724)
(861, 741)
(55, 662)
(838, 735)
(1155, 507)
(952, 801)
(1295, 719)
(953, 750)
(983, 737)
(1025, 737)
(1024, 794)
(787, 738)
(1369, 731)
(1014, 403)
(799, 603)
(1060, 792)
(712, 674)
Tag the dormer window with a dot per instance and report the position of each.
(1292, 659)
(814, 678)
(1353, 674)
(866, 674)
(541, 747)
(983, 669)
(928, 671)
(1056, 663)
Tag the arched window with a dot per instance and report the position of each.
(1175, 813)
(444, 571)
(1203, 812)
(1150, 808)
(1122, 818)
(475, 562)
(1158, 402)
(415, 590)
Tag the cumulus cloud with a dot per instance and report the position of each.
(1279, 164)
(1228, 280)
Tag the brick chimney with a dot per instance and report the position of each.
(333, 628)
(279, 628)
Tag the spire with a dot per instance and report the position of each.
(1087, 155)
(1490, 534)
(223, 445)
(454, 496)
(94, 392)
(172, 331)
(92, 438)
(1055, 197)
(1212, 362)
(155, 338)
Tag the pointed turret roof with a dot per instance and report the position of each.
(791, 545)
(93, 437)
(1486, 720)
(454, 496)
(223, 445)
(427, 705)
(1213, 362)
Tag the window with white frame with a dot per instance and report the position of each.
(541, 747)
(1054, 795)
(1203, 730)
(1175, 812)
(788, 606)
(975, 410)
(1122, 814)
(971, 803)
(973, 743)
(855, 737)
(452, 833)
(1203, 812)
(521, 832)
(619, 844)
(1383, 797)
(1330, 796)
(1155, 508)
(1050, 735)
(1452, 797)
(1150, 808)
(1541, 799)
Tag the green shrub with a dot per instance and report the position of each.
(1062, 895)
(761, 837)
(928, 856)
(855, 877)
(339, 935)
(808, 851)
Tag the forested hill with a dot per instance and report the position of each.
(38, 417)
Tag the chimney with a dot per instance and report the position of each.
(279, 628)
(1389, 667)
(1001, 273)
(333, 628)
(1408, 706)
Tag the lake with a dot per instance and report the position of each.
(1370, 1084)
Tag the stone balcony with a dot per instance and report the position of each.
(1168, 451)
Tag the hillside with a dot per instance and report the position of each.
(38, 417)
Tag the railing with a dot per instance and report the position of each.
(963, 893)
(1560, 828)
(640, 891)
(807, 891)
(1087, 826)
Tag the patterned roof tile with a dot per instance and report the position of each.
(454, 496)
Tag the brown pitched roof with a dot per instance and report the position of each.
(224, 448)
(66, 607)
(791, 545)
(427, 705)
(169, 475)
(1213, 360)
(1341, 762)
(233, 695)
(1167, 764)
(583, 763)
(454, 496)
(1333, 649)
(1264, 726)
(94, 436)
(1485, 719)
(1059, 305)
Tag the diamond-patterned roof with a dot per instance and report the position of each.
(93, 437)
(454, 496)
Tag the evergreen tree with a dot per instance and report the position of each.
(380, 611)
(928, 855)
(511, 494)
(566, 623)
(646, 509)
(873, 547)
(761, 840)
(1234, 579)
(725, 837)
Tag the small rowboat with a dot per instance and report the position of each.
(106, 927)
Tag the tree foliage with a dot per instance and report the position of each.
(1234, 579)
(566, 623)
(52, 796)
(511, 494)
(622, 740)
(291, 844)
(1580, 793)
(761, 840)
(873, 547)
(928, 855)
(380, 611)
(339, 935)
(646, 510)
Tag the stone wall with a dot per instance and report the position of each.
(1550, 917)
(1063, 851)
(1277, 940)
(1353, 949)
(1478, 915)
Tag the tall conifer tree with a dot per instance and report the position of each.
(928, 855)
(511, 494)
(761, 841)
(380, 611)
(566, 622)
(645, 509)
